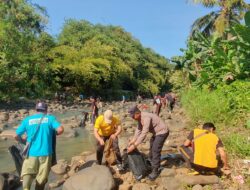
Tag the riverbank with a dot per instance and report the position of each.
(172, 173)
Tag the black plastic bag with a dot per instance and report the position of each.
(16, 153)
(136, 162)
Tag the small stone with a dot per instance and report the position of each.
(60, 168)
(197, 187)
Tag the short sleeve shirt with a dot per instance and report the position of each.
(42, 142)
(105, 129)
(191, 137)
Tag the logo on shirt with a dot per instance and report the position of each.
(37, 121)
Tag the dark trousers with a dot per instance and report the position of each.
(100, 149)
(188, 156)
(158, 109)
(93, 117)
(156, 144)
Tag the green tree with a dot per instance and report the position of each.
(230, 13)
(100, 58)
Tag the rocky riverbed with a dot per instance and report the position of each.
(80, 172)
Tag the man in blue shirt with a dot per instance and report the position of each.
(39, 129)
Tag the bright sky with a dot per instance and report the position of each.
(162, 25)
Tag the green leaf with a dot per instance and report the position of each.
(247, 18)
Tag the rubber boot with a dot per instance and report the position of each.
(154, 174)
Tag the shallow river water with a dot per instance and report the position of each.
(66, 147)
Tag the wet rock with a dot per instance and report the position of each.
(166, 172)
(70, 133)
(90, 157)
(76, 159)
(197, 187)
(94, 178)
(8, 134)
(86, 153)
(61, 167)
(141, 186)
(198, 179)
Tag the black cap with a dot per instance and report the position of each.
(133, 110)
(41, 106)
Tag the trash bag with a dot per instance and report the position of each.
(54, 159)
(16, 153)
(136, 162)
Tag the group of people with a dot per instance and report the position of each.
(199, 150)
(168, 100)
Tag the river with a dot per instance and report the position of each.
(66, 147)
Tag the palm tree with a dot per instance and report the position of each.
(230, 13)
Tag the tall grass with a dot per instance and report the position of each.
(203, 106)
(228, 107)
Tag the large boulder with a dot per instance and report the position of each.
(198, 179)
(95, 178)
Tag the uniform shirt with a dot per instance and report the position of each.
(105, 129)
(191, 137)
(42, 142)
(205, 145)
(149, 123)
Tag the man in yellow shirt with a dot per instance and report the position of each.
(107, 126)
(202, 155)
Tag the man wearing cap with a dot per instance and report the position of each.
(149, 122)
(39, 129)
(107, 126)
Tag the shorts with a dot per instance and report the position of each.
(38, 166)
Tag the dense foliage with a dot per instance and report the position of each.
(96, 58)
(216, 73)
(84, 58)
(229, 13)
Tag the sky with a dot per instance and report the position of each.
(162, 25)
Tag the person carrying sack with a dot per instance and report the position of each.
(109, 152)
(39, 129)
(199, 150)
(108, 126)
(149, 122)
